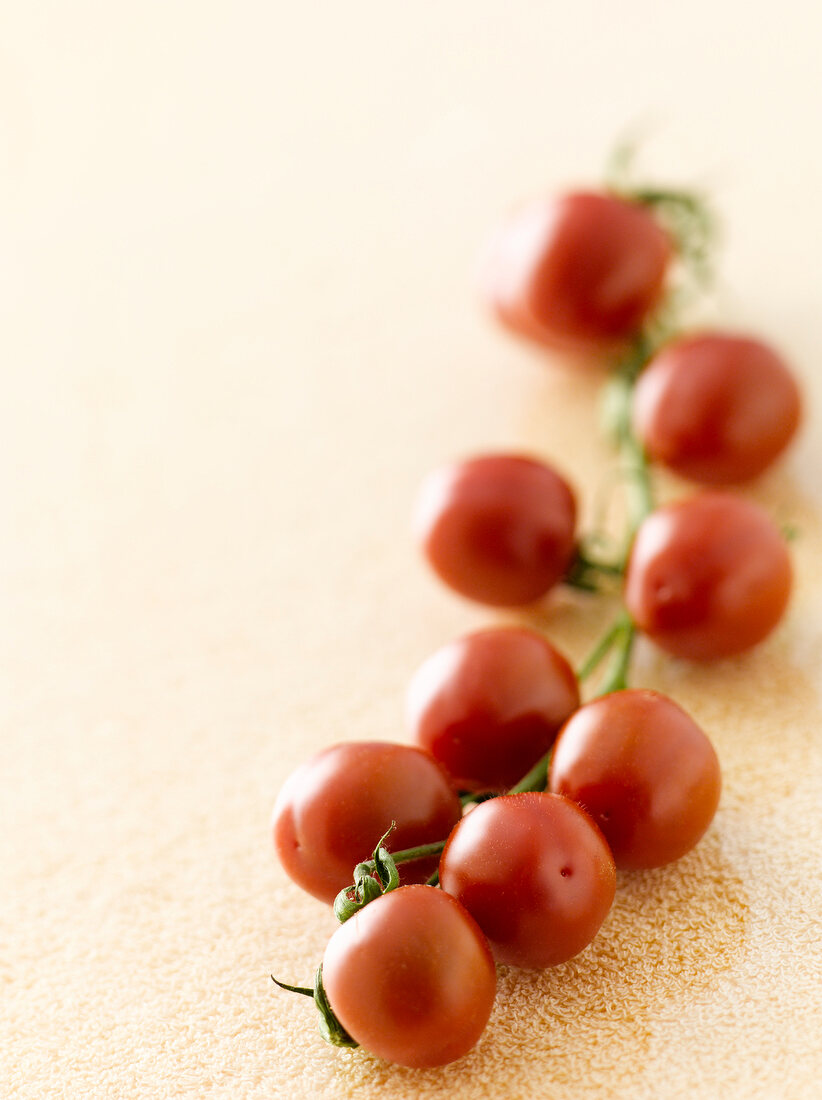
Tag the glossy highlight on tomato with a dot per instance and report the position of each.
(410, 977)
(488, 705)
(497, 528)
(644, 771)
(535, 873)
(717, 408)
(708, 576)
(332, 811)
(580, 272)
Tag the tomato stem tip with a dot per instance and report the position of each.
(330, 1027)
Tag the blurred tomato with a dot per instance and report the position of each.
(644, 771)
(487, 706)
(708, 576)
(535, 873)
(410, 977)
(497, 528)
(716, 408)
(580, 272)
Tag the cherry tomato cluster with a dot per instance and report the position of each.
(507, 818)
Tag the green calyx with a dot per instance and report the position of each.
(373, 878)
(330, 1027)
(685, 215)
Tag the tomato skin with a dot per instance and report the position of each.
(716, 408)
(708, 576)
(488, 705)
(410, 977)
(644, 771)
(579, 272)
(498, 529)
(332, 811)
(535, 873)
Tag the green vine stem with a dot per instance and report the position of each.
(600, 651)
(406, 855)
(617, 677)
(536, 779)
(620, 636)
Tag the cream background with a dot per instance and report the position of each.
(236, 327)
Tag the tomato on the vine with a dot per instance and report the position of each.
(708, 576)
(716, 408)
(410, 977)
(580, 272)
(497, 528)
(644, 771)
(332, 811)
(488, 705)
(535, 873)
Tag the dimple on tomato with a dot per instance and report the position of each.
(488, 705)
(535, 873)
(497, 528)
(716, 407)
(580, 272)
(332, 811)
(644, 771)
(707, 577)
(410, 977)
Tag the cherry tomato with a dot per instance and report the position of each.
(410, 977)
(489, 705)
(332, 811)
(497, 528)
(535, 873)
(708, 576)
(644, 771)
(716, 408)
(580, 272)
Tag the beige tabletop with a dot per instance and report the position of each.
(237, 325)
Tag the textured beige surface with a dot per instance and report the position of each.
(236, 327)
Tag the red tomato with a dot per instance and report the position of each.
(644, 771)
(580, 272)
(708, 576)
(489, 705)
(716, 408)
(497, 528)
(535, 873)
(410, 977)
(332, 811)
